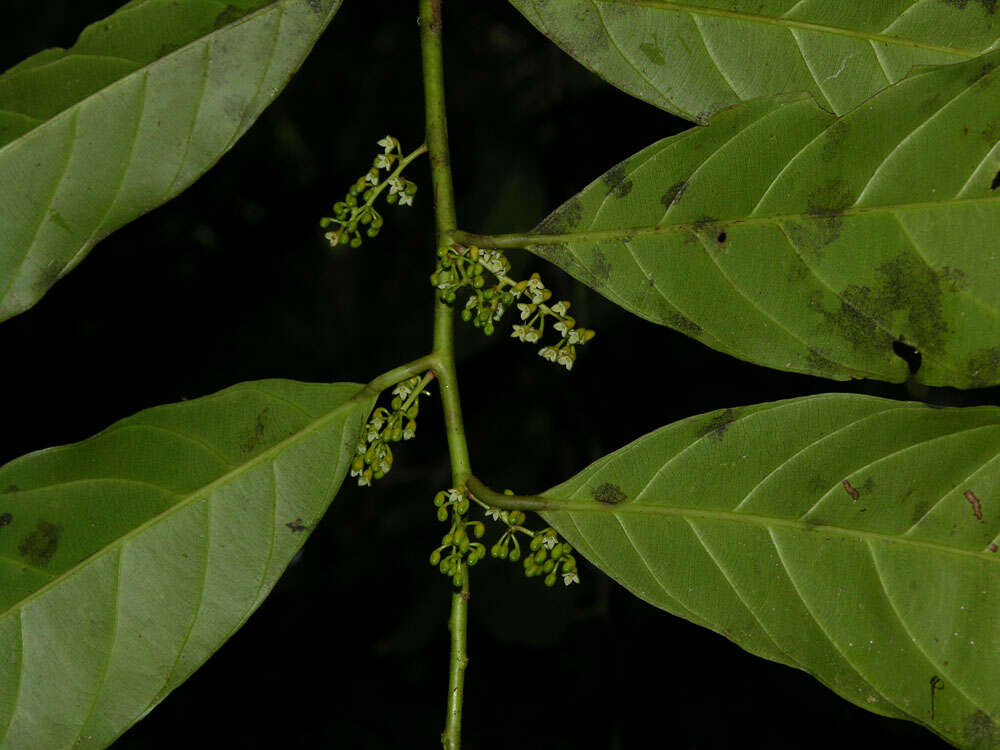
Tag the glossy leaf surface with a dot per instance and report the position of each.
(788, 237)
(693, 58)
(127, 559)
(851, 537)
(143, 104)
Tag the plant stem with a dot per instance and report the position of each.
(444, 366)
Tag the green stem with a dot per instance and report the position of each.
(401, 373)
(444, 357)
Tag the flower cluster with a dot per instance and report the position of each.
(546, 555)
(356, 213)
(373, 457)
(457, 544)
(461, 268)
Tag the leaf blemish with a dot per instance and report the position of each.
(618, 182)
(5, 519)
(41, 544)
(850, 490)
(11, 488)
(977, 506)
(609, 494)
(721, 239)
(996, 181)
(297, 526)
(719, 424)
(936, 684)
(993, 547)
(673, 194)
(253, 436)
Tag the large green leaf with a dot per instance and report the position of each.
(785, 236)
(128, 559)
(851, 537)
(143, 104)
(693, 58)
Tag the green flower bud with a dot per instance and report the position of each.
(548, 566)
(344, 239)
(325, 222)
(463, 544)
(550, 580)
(368, 194)
(488, 329)
(392, 200)
(372, 232)
(358, 463)
(515, 554)
(411, 188)
(478, 529)
(536, 542)
(447, 540)
(436, 558)
(463, 506)
(414, 410)
(356, 242)
(541, 556)
(439, 498)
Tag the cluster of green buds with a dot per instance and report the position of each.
(457, 544)
(356, 213)
(546, 555)
(373, 457)
(461, 268)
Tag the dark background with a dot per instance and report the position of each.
(232, 281)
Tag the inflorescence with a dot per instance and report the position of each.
(546, 555)
(461, 268)
(356, 213)
(373, 457)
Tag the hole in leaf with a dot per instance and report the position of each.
(996, 182)
(908, 354)
(721, 238)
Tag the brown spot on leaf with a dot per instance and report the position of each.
(5, 519)
(601, 267)
(617, 181)
(41, 544)
(984, 367)
(609, 494)
(936, 684)
(719, 423)
(564, 219)
(850, 490)
(673, 194)
(681, 323)
(993, 547)
(996, 181)
(988, 6)
(979, 731)
(297, 526)
(977, 507)
(252, 437)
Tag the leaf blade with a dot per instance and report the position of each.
(693, 58)
(95, 136)
(828, 533)
(162, 534)
(790, 238)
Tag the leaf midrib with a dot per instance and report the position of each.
(192, 497)
(696, 226)
(767, 522)
(142, 69)
(794, 24)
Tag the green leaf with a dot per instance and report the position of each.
(127, 559)
(694, 58)
(788, 237)
(142, 105)
(848, 536)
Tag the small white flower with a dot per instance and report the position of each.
(372, 434)
(548, 353)
(402, 390)
(405, 200)
(388, 143)
(409, 431)
(575, 338)
(560, 308)
(384, 467)
(526, 310)
(533, 335)
(371, 179)
(376, 421)
(549, 542)
(569, 578)
(472, 301)
(520, 333)
(361, 449)
(364, 481)
(454, 495)
(382, 162)
(565, 358)
(535, 283)
(537, 296)
(355, 472)
(493, 513)
(562, 327)
(395, 185)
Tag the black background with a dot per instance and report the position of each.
(233, 282)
